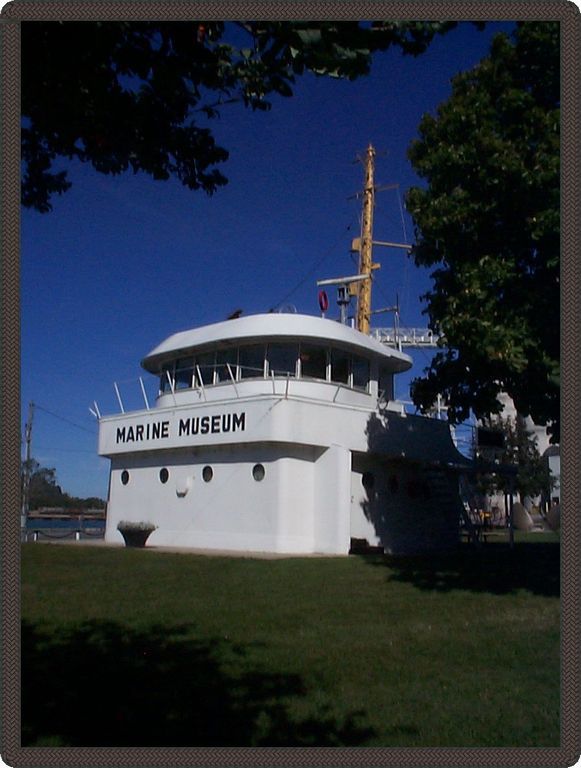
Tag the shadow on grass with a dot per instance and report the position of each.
(494, 568)
(103, 684)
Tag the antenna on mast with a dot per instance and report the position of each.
(364, 244)
(343, 291)
(360, 285)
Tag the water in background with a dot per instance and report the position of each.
(39, 529)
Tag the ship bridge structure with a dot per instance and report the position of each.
(279, 433)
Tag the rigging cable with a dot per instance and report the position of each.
(311, 271)
(406, 275)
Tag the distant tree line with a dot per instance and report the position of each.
(43, 490)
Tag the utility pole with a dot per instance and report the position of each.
(26, 472)
(365, 253)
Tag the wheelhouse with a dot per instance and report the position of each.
(298, 348)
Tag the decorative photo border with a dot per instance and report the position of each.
(569, 16)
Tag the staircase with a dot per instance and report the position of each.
(446, 493)
(467, 515)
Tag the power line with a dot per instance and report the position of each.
(62, 418)
(63, 450)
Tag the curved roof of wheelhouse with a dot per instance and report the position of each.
(274, 327)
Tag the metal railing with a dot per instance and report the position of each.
(77, 534)
(199, 379)
(405, 337)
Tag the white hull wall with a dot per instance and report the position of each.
(311, 499)
(290, 421)
(332, 501)
(407, 510)
(232, 512)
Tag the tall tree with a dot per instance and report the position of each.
(519, 450)
(141, 95)
(488, 221)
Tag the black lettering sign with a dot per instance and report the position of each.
(141, 432)
(239, 421)
(226, 422)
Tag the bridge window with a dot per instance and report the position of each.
(205, 368)
(340, 366)
(184, 372)
(386, 384)
(278, 359)
(360, 367)
(166, 376)
(313, 362)
(282, 359)
(225, 358)
(251, 361)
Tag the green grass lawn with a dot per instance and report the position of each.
(138, 647)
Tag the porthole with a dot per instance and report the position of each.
(258, 472)
(163, 475)
(207, 474)
(125, 477)
(368, 480)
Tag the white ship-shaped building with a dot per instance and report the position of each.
(279, 433)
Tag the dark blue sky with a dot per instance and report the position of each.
(123, 262)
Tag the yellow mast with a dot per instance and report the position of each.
(366, 265)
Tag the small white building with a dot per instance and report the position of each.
(279, 433)
(541, 438)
